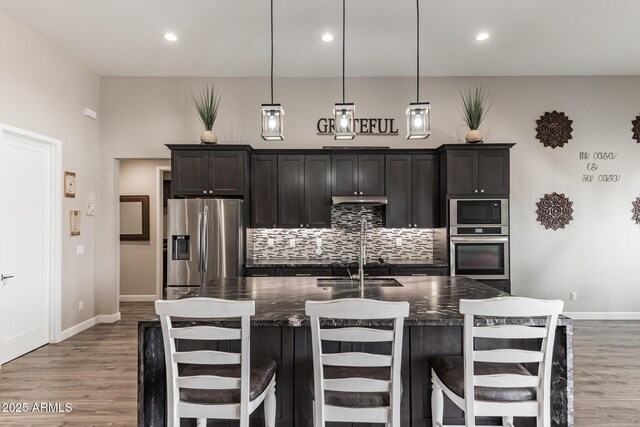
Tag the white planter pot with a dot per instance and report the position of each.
(208, 137)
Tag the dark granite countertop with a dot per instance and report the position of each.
(280, 300)
(293, 262)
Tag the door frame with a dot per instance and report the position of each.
(55, 223)
(159, 228)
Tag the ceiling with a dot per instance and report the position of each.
(231, 37)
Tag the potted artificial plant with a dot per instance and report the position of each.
(207, 105)
(474, 109)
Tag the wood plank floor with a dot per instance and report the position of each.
(95, 371)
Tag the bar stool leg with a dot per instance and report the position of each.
(437, 404)
(270, 407)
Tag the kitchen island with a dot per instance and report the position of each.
(280, 331)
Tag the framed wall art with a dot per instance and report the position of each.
(134, 218)
(69, 184)
(74, 223)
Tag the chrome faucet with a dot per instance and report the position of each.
(363, 254)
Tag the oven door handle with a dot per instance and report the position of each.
(483, 239)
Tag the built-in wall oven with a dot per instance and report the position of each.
(479, 238)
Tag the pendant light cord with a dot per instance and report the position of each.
(272, 52)
(418, 51)
(343, 44)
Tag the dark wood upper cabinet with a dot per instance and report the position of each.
(189, 170)
(304, 191)
(371, 175)
(344, 174)
(477, 172)
(358, 174)
(424, 180)
(398, 175)
(208, 172)
(290, 191)
(317, 190)
(411, 190)
(264, 191)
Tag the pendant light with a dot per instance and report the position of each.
(272, 114)
(418, 113)
(344, 112)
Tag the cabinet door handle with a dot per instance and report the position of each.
(307, 225)
(415, 225)
(204, 192)
(355, 193)
(482, 191)
(259, 275)
(274, 226)
(418, 274)
(475, 191)
(361, 193)
(303, 274)
(301, 225)
(210, 191)
(409, 225)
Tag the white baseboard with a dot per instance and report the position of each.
(603, 315)
(137, 298)
(108, 318)
(103, 318)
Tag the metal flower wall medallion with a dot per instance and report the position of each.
(554, 129)
(554, 211)
(636, 129)
(636, 210)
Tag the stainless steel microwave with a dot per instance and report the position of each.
(479, 216)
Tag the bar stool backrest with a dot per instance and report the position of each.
(206, 308)
(357, 309)
(504, 308)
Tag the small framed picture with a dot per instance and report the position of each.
(69, 184)
(74, 223)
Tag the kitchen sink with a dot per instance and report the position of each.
(371, 282)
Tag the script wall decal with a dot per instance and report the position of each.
(636, 210)
(636, 129)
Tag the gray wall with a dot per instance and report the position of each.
(138, 259)
(43, 90)
(595, 255)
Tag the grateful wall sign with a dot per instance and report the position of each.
(380, 127)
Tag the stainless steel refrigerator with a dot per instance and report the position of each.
(205, 240)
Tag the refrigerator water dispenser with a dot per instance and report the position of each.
(180, 245)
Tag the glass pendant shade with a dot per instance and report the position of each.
(344, 121)
(272, 122)
(419, 120)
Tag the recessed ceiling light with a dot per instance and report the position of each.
(171, 37)
(482, 36)
(326, 37)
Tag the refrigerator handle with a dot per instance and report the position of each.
(205, 239)
(200, 239)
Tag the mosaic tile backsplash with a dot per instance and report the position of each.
(340, 243)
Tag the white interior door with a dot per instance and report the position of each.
(25, 244)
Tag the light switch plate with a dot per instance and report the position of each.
(292, 243)
(319, 241)
(79, 249)
(270, 243)
(398, 242)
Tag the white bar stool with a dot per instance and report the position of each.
(502, 386)
(356, 386)
(214, 384)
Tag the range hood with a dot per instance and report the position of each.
(360, 200)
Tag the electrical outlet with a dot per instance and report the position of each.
(292, 243)
(398, 242)
(319, 241)
(79, 249)
(80, 305)
(573, 296)
(270, 243)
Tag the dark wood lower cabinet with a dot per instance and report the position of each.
(290, 347)
(303, 272)
(417, 271)
(260, 272)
